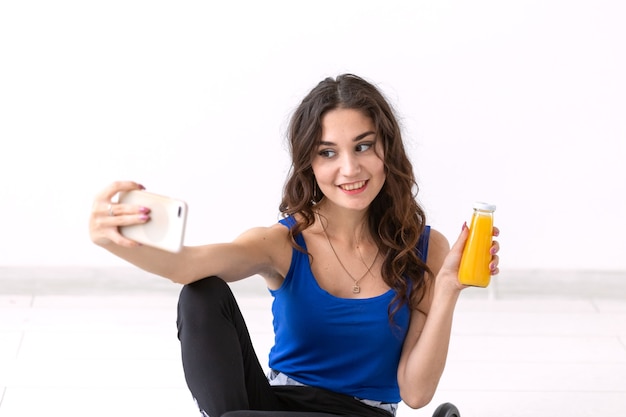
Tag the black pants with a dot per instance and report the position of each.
(223, 372)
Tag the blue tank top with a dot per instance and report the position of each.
(343, 345)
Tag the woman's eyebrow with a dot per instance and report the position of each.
(363, 135)
(356, 139)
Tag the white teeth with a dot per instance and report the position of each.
(354, 186)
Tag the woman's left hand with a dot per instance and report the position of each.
(450, 266)
(495, 248)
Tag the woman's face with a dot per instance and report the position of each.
(347, 163)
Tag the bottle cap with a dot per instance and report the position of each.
(479, 205)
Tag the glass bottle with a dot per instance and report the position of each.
(474, 268)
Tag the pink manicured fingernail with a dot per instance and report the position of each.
(141, 186)
(144, 209)
(143, 217)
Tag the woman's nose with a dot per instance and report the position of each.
(350, 165)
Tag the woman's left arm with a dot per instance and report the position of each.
(426, 345)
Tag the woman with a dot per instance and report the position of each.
(364, 291)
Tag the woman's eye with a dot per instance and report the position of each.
(327, 153)
(362, 147)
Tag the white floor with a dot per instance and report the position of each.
(84, 342)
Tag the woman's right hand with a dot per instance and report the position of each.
(107, 216)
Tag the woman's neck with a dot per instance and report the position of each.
(348, 226)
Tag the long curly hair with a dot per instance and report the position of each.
(395, 219)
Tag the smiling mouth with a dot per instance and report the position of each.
(353, 186)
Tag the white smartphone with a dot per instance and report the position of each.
(168, 218)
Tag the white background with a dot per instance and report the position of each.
(519, 103)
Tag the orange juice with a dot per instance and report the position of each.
(474, 268)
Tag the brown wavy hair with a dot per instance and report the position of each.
(395, 219)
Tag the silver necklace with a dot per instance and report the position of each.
(355, 288)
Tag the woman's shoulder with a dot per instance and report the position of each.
(436, 238)
(273, 245)
(438, 248)
(273, 235)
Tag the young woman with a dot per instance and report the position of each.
(364, 291)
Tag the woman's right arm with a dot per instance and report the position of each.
(256, 251)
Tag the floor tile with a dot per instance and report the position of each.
(107, 301)
(9, 344)
(537, 349)
(90, 373)
(15, 318)
(536, 376)
(610, 305)
(112, 319)
(58, 345)
(107, 402)
(539, 324)
(526, 404)
(13, 301)
(537, 305)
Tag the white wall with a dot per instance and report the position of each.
(521, 103)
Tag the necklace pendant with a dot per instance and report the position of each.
(356, 289)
